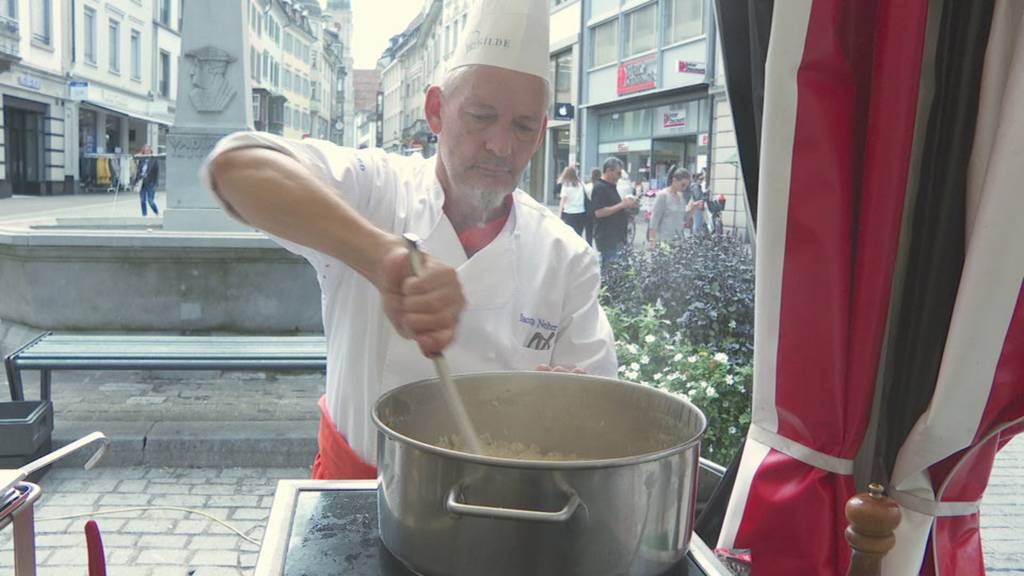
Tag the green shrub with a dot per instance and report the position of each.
(705, 286)
(683, 316)
(649, 354)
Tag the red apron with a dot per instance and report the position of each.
(336, 460)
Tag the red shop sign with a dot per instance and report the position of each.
(638, 74)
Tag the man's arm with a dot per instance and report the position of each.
(276, 193)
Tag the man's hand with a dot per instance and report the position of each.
(425, 308)
(629, 202)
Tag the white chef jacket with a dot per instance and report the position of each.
(531, 294)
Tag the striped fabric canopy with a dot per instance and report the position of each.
(882, 144)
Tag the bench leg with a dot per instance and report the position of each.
(44, 384)
(14, 382)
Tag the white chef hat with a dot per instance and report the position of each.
(511, 34)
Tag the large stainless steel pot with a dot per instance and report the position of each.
(624, 506)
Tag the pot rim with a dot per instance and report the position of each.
(543, 464)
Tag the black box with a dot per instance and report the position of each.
(25, 433)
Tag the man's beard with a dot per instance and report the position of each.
(481, 201)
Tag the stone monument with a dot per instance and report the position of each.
(213, 101)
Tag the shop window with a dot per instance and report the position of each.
(618, 126)
(9, 9)
(604, 43)
(89, 46)
(42, 21)
(639, 34)
(684, 19)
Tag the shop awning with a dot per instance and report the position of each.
(129, 113)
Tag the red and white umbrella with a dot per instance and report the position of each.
(943, 467)
(840, 104)
(889, 257)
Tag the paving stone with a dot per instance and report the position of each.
(192, 526)
(120, 556)
(214, 542)
(147, 526)
(173, 557)
(182, 500)
(258, 514)
(162, 541)
(168, 488)
(216, 558)
(127, 500)
(216, 489)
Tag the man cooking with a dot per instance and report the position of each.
(505, 285)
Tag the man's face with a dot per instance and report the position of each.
(489, 129)
(612, 175)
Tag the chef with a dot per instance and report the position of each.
(505, 285)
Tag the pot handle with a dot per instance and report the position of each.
(460, 508)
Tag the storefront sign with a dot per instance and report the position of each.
(30, 82)
(704, 139)
(622, 147)
(687, 67)
(638, 74)
(674, 118)
(564, 111)
(78, 90)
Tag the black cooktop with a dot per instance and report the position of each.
(335, 532)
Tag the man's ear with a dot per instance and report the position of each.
(432, 109)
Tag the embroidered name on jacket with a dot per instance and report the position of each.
(540, 339)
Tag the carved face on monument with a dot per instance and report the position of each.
(211, 91)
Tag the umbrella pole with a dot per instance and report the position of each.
(873, 518)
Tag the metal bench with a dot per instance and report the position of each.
(51, 352)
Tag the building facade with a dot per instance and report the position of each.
(81, 79)
(366, 85)
(650, 95)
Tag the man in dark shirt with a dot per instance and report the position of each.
(611, 212)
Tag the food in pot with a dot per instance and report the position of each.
(503, 449)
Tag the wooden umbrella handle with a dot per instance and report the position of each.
(873, 517)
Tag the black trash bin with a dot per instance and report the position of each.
(26, 428)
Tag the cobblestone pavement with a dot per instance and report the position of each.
(1002, 513)
(152, 542)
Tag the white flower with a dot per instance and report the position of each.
(729, 379)
(657, 376)
(677, 357)
(732, 324)
(622, 369)
(703, 384)
(632, 348)
(692, 359)
(732, 429)
(645, 359)
(634, 366)
(689, 393)
(672, 376)
(649, 338)
(711, 392)
(631, 375)
(721, 357)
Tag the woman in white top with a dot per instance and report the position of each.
(572, 207)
